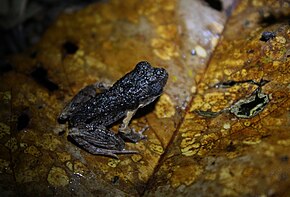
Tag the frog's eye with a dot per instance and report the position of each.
(161, 72)
(141, 72)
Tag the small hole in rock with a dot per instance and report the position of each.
(61, 133)
(272, 19)
(231, 147)
(284, 158)
(70, 47)
(215, 4)
(40, 76)
(33, 54)
(22, 121)
(115, 180)
(5, 66)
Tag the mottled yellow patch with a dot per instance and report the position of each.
(5, 96)
(228, 192)
(185, 175)
(32, 150)
(269, 150)
(280, 39)
(27, 176)
(227, 125)
(191, 128)
(165, 107)
(143, 174)
(48, 142)
(190, 150)
(80, 53)
(214, 98)
(136, 157)
(208, 138)
(244, 73)
(257, 3)
(4, 129)
(186, 142)
(113, 162)
(69, 165)
(4, 166)
(250, 171)
(80, 168)
(167, 31)
(193, 89)
(156, 148)
(198, 102)
(247, 123)
(63, 156)
(210, 176)
(228, 71)
(164, 49)
(57, 177)
(285, 142)
(12, 144)
(23, 145)
(252, 140)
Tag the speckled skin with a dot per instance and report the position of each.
(89, 114)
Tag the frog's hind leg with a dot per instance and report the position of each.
(101, 151)
(101, 142)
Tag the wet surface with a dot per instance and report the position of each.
(185, 153)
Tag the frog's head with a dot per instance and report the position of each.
(140, 86)
(149, 81)
(150, 76)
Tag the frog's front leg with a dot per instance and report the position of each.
(99, 141)
(129, 133)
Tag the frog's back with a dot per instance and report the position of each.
(105, 109)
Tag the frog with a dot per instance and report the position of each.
(96, 107)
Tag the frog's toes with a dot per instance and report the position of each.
(113, 153)
(143, 129)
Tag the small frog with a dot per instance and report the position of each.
(89, 114)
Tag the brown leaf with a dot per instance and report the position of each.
(185, 153)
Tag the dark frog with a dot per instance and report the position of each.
(89, 114)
